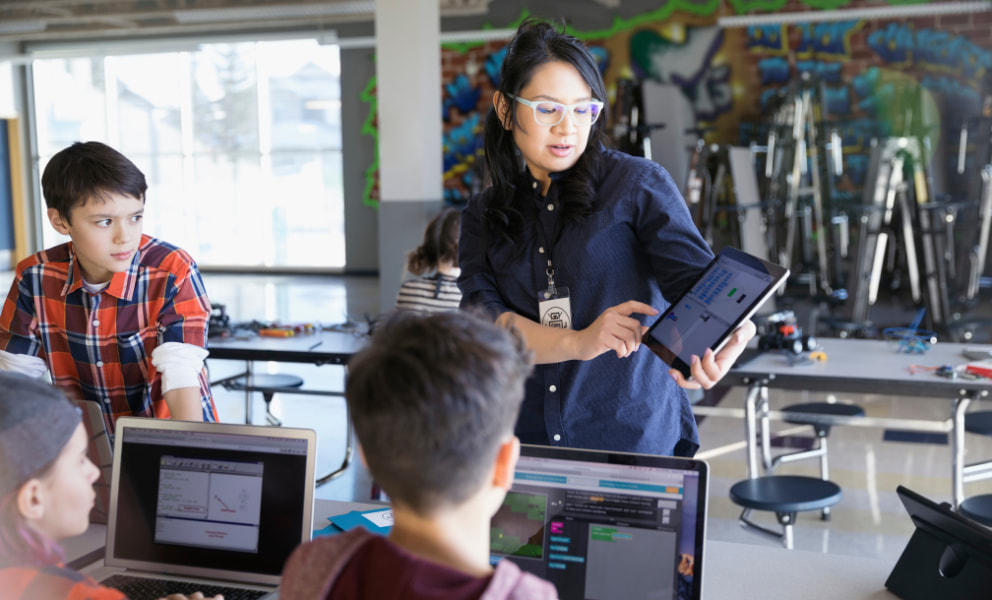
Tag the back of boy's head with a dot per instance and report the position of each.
(432, 398)
(36, 422)
(440, 243)
(89, 171)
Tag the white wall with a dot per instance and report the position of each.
(6, 90)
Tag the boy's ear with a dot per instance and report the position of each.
(29, 503)
(58, 223)
(504, 116)
(506, 462)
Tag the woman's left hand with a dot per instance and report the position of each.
(708, 370)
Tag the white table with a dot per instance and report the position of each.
(867, 367)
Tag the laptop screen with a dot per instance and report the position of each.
(606, 524)
(209, 499)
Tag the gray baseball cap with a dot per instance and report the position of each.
(36, 421)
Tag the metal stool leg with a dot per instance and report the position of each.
(824, 474)
(270, 418)
(786, 519)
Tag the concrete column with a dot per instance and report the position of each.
(408, 84)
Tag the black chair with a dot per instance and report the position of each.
(269, 385)
(785, 495)
(805, 414)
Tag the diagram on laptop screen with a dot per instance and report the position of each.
(209, 503)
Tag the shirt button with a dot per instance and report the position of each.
(553, 388)
(99, 364)
(541, 249)
(95, 322)
(107, 400)
(533, 185)
(551, 206)
(557, 437)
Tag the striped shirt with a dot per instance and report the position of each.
(439, 293)
(98, 346)
(53, 582)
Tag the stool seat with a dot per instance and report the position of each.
(978, 508)
(269, 385)
(979, 421)
(838, 409)
(266, 381)
(785, 493)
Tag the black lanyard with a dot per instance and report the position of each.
(548, 247)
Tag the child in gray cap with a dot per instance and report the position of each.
(46, 493)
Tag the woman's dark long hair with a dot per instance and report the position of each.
(536, 43)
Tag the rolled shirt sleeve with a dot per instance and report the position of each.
(476, 281)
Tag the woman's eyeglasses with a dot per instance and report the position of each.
(550, 114)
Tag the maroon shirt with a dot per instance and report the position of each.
(409, 576)
(358, 565)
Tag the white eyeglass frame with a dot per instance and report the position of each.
(567, 109)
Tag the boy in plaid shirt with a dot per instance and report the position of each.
(117, 317)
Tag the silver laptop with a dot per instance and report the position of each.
(206, 507)
(606, 524)
(100, 452)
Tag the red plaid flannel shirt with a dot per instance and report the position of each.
(98, 347)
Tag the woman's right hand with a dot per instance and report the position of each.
(193, 596)
(615, 329)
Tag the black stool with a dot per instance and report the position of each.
(978, 508)
(785, 495)
(822, 430)
(269, 385)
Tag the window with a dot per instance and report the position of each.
(240, 143)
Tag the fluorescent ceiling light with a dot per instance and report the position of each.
(482, 35)
(855, 14)
(279, 11)
(22, 26)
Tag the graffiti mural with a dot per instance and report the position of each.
(690, 65)
(908, 76)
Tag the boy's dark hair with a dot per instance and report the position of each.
(536, 43)
(431, 399)
(89, 170)
(440, 243)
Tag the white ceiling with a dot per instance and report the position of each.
(67, 20)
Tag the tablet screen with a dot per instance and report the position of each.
(731, 289)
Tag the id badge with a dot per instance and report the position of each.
(555, 309)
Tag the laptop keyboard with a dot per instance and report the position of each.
(144, 588)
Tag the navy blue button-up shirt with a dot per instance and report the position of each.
(639, 243)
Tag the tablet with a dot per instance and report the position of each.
(948, 556)
(729, 291)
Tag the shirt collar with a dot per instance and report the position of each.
(121, 284)
(530, 183)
